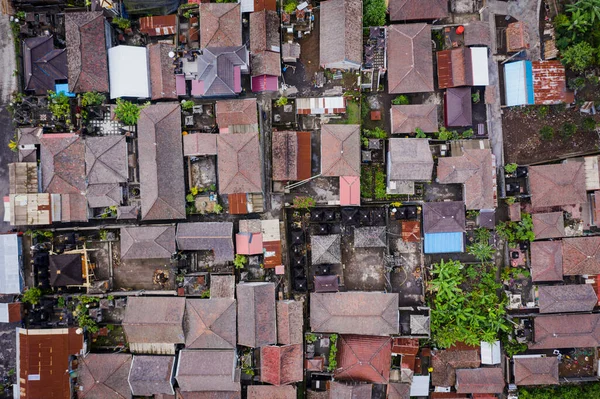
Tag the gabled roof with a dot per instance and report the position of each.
(220, 25)
(43, 64)
(567, 298)
(341, 33)
(340, 390)
(210, 323)
(581, 255)
(546, 261)
(285, 155)
(454, 67)
(154, 320)
(147, 242)
(370, 237)
(445, 363)
(458, 110)
(65, 269)
(86, 51)
(256, 314)
(482, 380)
(239, 163)
(199, 144)
(566, 331)
(206, 236)
(340, 150)
(557, 185)
(410, 59)
(355, 312)
(477, 171)
(104, 376)
(264, 31)
(106, 159)
(444, 217)
(536, 370)
(207, 370)
(364, 358)
(151, 375)
(290, 322)
(280, 365)
(233, 113)
(410, 159)
(398, 391)
(162, 186)
(407, 118)
(548, 225)
(63, 166)
(326, 249)
(271, 392)
(162, 78)
(406, 10)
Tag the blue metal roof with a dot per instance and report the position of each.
(63, 88)
(518, 83)
(443, 243)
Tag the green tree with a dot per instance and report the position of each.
(281, 101)
(420, 133)
(374, 12)
(482, 251)
(240, 261)
(187, 105)
(121, 23)
(510, 167)
(32, 295)
(579, 56)
(290, 6)
(92, 98)
(515, 232)
(127, 112)
(401, 100)
(59, 105)
(589, 124)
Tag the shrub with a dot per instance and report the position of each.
(127, 112)
(568, 129)
(187, 105)
(547, 133)
(290, 6)
(401, 100)
(281, 101)
(482, 235)
(577, 83)
(376, 133)
(240, 261)
(543, 111)
(92, 98)
(579, 56)
(482, 251)
(303, 202)
(374, 12)
(514, 232)
(59, 105)
(476, 97)
(510, 167)
(13, 145)
(122, 23)
(589, 124)
(467, 134)
(420, 133)
(218, 209)
(32, 296)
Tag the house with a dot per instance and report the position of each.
(517, 38)
(151, 375)
(163, 83)
(239, 163)
(364, 358)
(477, 33)
(349, 190)
(397, 390)
(210, 323)
(537, 370)
(101, 374)
(476, 170)
(326, 249)
(264, 32)
(208, 371)
(87, 51)
(106, 160)
(11, 263)
(410, 10)
(154, 325)
(43, 65)
(29, 141)
(281, 365)
(444, 226)
(548, 225)
(258, 5)
(458, 109)
(34, 209)
(128, 72)
(567, 298)
(237, 116)
(320, 105)
(354, 312)
(481, 380)
(290, 52)
(272, 392)
(217, 72)
(291, 152)
(537, 82)
(222, 286)
(66, 270)
(557, 184)
(409, 160)
(406, 119)
(370, 237)
(43, 361)
(566, 331)
(266, 69)
(160, 153)
(207, 236)
(340, 150)
(581, 255)
(199, 144)
(326, 284)
(220, 25)
(290, 322)
(158, 25)
(462, 66)
(271, 242)
(352, 391)
(410, 61)
(249, 239)
(256, 314)
(446, 362)
(148, 242)
(341, 34)
(11, 312)
(546, 261)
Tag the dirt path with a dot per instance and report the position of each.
(7, 61)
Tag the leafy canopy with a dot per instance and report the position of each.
(374, 12)
(127, 112)
(515, 232)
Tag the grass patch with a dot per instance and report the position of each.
(352, 113)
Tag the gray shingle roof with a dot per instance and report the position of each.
(207, 370)
(443, 217)
(154, 320)
(341, 33)
(567, 298)
(148, 242)
(256, 314)
(215, 236)
(106, 159)
(151, 375)
(370, 237)
(411, 160)
(326, 249)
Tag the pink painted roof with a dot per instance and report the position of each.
(237, 79)
(197, 88)
(180, 85)
(349, 190)
(265, 83)
(246, 246)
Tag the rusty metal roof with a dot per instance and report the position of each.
(549, 82)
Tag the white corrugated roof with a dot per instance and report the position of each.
(479, 64)
(490, 353)
(3, 312)
(128, 72)
(247, 5)
(10, 264)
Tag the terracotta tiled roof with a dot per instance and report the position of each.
(86, 51)
(236, 112)
(199, 144)
(106, 159)
(264, 31)
(483, 380)
(406, 10)
(405, 346)
(546, 261)
(454, 68)
(557, 185)
(73, 208)
(548, 225)
(43, 65)
(566, 331)
(410, 58)
(209, 395)
(222, 286)
(280, 365)
(63, 165)
(446, 362)
(549, 82)
(104, 376)
(271, 392)
(207, 370)
(239, 163)
(536, 371)
(290, 322)
(477, 33)
(341, 33)
(516, 37)
(443, 217)
(340, 150)
(207, 236)
(366, 313)
(567, 298)
(398, 391)
(151, 375)
(210, 323)
(256, 314)
(340, 390)
(152, 320)
(148, 242)
(220, 24)
(581, 255)
(411, 159)
(364, 358)
(458, 110)
(285, 155)
(266, 63)
(407, 118)
(162, 74)
(158, 25)
(476, 170)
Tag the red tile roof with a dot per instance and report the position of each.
(405, 346)
(536, 371)
(557, 185)
(162, 74)
(210, 323)
(271, 392)
(398, 391)
(104, 376)
(454, 68)
(256, 314)
(482, 380)
(516, 37)
(235, 112)
(546, 261)
(63, 163)
(407, 118)
(410, 58)
(549, 82)
(567, 298)
(566, 331)
(260, 5)
(221, 25)
(364, 358)
(239, 163)
(581, 255)
(406, 10)
(340, 150)
(290, 322)
(548, 225)
(446, 362)
(281, 365)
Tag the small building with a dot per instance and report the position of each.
(406, 119)
(364, 358)
(339, 312)
(462, 66)
(567, 298)
(566, 331)
(210, 323)
(106, 160)
(11, 263)
(217, 72)
(370, 237)
(546, 261)
(340, 150)
(410, 10)
(327, 283)
(320, 105)
(158, 25)
(148, 242)
(199, 144)
(23, 178)
(410, 58)
(11, 312)
(266, 69)
(491, 353)
(271, 241)
(290, 52)
(256, 314)
(34, 209)
(557, 184)
(341, 34)
(409, 161)
(237, 116)
(128, 72)
(66, 270)
(100, 373)
(477, 33)
(222, 286)
(43, 65)
(208, 371)
(221, 25)
(481, 380)
(290, 322)
(349, 190)
(163, 83)
(154, 325)
(446, 362)
(517, 38)
(272, 392)
(152, 375)
(291, 152)
(581, 256)
(239, 165)
(249, 242)
(326, 249)
(207, 236)
(281, 365)
(29, 141)
(350, 390)
(538, 82)
(535, 370)
(264, 32)
(458, 109)
(548, 225)
(444, 226)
